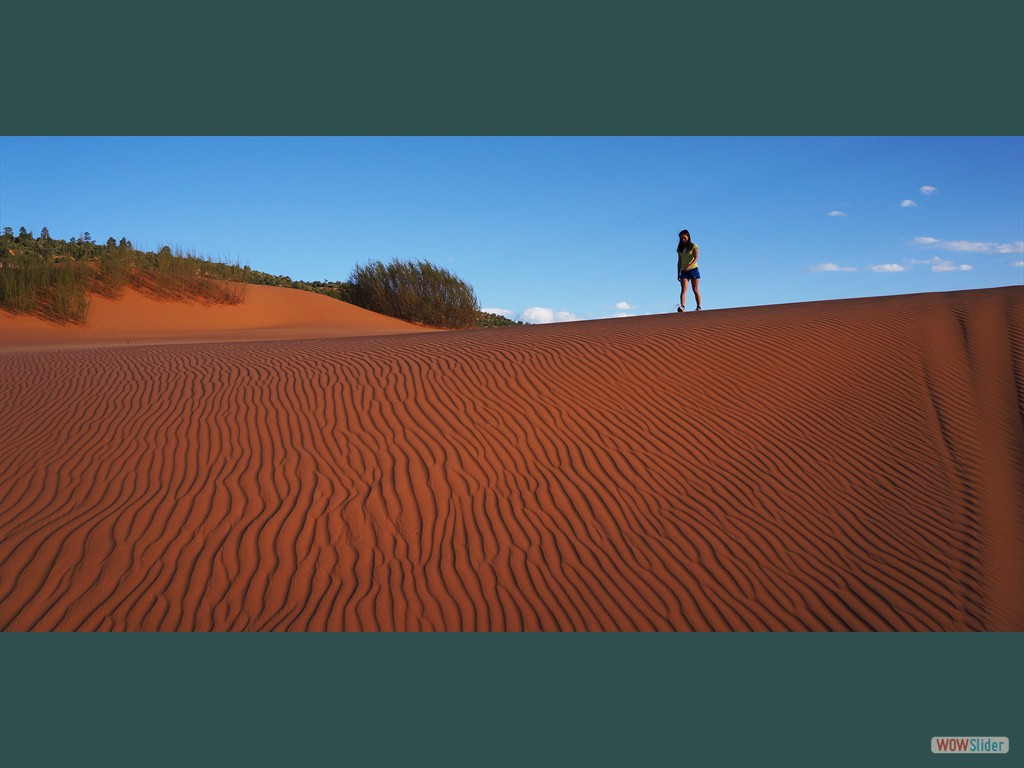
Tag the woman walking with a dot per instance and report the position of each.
(686, 267)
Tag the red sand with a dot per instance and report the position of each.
(844, 465)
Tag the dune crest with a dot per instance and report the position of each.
(845, 465)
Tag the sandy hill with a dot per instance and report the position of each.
(844, 465)
(267, 313)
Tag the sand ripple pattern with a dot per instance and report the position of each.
(852, 465)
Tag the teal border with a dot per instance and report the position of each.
(601, 699)
(525, 69)
(462, 68)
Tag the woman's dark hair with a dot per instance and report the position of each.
(681, 246)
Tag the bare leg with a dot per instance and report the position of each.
(696, 291)
(682, 293)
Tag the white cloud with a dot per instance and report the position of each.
(970, 246)
(1017, 263)
(939, 264)
(623, 307)
(1017, 247)
(498, 311)
(928, 190)
(830, 266)
(908, 204)
(837, 213)
(887, 268)
(543, 315)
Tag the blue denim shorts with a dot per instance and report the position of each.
(689, 274)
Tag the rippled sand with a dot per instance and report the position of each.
(844, 465)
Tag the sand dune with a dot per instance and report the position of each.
(268, 313)
(845, 465)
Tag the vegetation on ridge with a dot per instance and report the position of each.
(54, 279)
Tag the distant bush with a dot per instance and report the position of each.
(341, 291)
(418, 292)
(491, 320)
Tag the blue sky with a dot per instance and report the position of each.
(552, 228)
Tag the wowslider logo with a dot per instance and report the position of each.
(970, 745)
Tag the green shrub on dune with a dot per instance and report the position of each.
(418, 292)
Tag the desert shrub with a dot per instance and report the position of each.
(222, 282)
(183, 276)
(54, 279)
(22, 280)
(175, 275)
(114, 267)
(418, 292)
(57, 290)
(68, 297)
